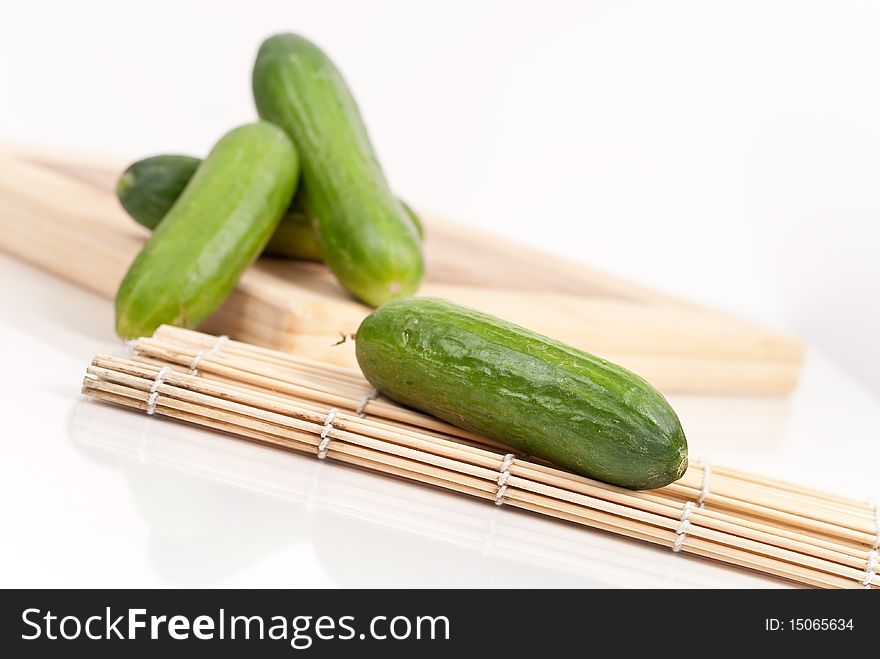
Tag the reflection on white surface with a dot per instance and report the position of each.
(214, 503)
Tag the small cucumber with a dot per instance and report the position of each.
(295, 237)
(216, 228)
(149, 187)
(535, 394)
(367, 239)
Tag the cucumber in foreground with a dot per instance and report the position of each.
(368, 241)
(216, 228)
(525, 390)
(149, 187)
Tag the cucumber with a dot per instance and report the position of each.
(538, 395)
(215, 229)
(295, 237)
(367, 239)
(149, 187)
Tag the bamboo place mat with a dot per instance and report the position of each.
(288, 495)
(770, 526)
(59, 212)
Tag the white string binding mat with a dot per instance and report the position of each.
(683, 523)
(362, 406)
(871, 565)
(503, 475)
(206, 353)
(870, 568)
(704, 488)
(325, 433)
(154, 390)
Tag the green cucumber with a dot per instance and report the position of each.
(368, 241)
(149, 187)
(538, 395)
(216, 228)
(295, 237)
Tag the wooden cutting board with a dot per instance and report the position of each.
(58, 211)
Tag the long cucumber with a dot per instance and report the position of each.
(535, 394)
(149, 187)
(366, 237)
(216, 228)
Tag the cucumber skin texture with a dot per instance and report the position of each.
(365, 235)
(148, 189)
(535, 394)
(216, 228)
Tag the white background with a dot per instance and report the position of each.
(726, 152)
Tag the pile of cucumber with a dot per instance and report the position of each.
(149, 187)
(304, 183)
